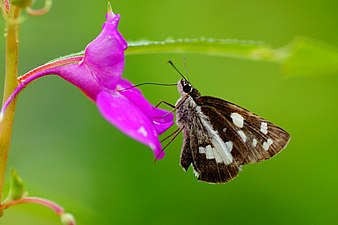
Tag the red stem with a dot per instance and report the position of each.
(7, 5)
(65, 217)
(52, 205)
(54, 64)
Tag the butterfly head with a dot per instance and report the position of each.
(185, 88)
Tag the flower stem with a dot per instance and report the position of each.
(55, 207)
(10, 84)
(34, 74)
(66, 218)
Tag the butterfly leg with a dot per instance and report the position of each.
(168, 104)
(164, 102)
(173, 135)
(171, 105)
(170, 135)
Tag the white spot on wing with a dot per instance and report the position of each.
(143, 131)
(229, 145)
(254, 142)
(242, 135)
(220, 154)
(209, 152)
(237, 119)
(219, 150)
(270, 141)
(201, 150)
(264, 127)
(266, 144)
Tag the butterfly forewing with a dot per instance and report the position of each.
(260, 138)
(227, 132)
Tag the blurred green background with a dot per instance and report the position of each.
(67, 152)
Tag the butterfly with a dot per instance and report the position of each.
(220, 137)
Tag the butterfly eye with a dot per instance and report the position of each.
(187, 87)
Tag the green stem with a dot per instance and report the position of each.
(11, 83)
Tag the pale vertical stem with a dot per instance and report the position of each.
(11, 83)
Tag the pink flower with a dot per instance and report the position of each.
(98, 74)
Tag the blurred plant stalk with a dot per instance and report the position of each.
(10, 83)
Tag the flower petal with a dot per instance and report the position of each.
(104, 56)
(161, 118)
(130, 119)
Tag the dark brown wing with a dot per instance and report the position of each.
(256, 139)
(186, 155)
(211, 163)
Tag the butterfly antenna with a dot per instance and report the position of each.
(185, 67)
(146, 83)
(172, 64)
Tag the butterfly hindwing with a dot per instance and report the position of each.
(210, 163)
(186, 155)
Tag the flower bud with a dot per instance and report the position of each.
(17, 188)
(67, 219)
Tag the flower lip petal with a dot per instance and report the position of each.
(130, 119)
(161, 118)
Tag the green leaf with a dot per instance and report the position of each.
(16, 187)
(304, 57)
(301, 57)
(232, 48)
